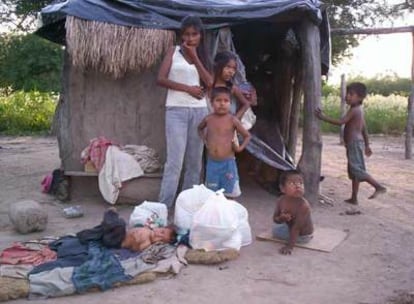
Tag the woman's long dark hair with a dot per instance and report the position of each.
(202, 52)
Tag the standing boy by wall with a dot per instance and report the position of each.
(217, 131)
(355, 139)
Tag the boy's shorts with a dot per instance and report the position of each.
(222, 174)
(281, 231)
(356, 162)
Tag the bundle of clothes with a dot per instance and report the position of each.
(98, 257)
(117, 164)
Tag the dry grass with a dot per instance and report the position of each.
(114, 49)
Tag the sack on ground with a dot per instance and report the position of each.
(151, 214)
(188, 203)
(243, 227)
(220, 224)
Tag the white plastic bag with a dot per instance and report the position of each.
(214, 226)
(188, 203)
(149, 213)
(243, 227)
(248, 119)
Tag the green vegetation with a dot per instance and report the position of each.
(28, 62)
(383, 115)
(381, 85)
(26, 112)
(385, 85)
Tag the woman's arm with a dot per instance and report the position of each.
(205, 75)
(201, 128)
(163, 80)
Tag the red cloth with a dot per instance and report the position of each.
(96, 151)
(18, 253)
(46, 183)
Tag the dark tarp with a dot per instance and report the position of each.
(167, 14)
(164, 14)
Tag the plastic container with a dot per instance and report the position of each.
(73, 211)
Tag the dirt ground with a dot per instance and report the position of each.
(371, 265)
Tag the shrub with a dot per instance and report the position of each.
(26, 112)
(385, 85)
(28, 62)
(383, 115)
(328, 89)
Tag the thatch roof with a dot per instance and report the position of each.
(117, 36)
(114, 49)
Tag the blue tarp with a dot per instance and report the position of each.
(167, 14)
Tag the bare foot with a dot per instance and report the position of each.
(351, 201)
(378, 191)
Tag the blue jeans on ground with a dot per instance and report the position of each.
(281, 231)
(184, 150)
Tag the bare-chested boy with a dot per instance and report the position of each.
(292, 213)
(217, 131)
(355, 138)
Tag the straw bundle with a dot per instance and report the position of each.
(114, 49)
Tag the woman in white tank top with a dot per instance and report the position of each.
(185, 73)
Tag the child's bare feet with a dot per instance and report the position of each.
(378, 191)
(351, 201)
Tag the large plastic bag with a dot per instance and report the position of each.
(151, 214)
(188, 203)
(214, 226)
(243, 227)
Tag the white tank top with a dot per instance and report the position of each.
(183, 72)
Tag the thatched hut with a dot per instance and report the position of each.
(113, 49)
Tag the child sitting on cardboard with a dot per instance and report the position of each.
(292, 213)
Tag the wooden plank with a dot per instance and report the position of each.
(83, 173)
(372, 31)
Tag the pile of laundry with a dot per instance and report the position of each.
(116, 164)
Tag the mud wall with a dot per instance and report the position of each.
(129, 110)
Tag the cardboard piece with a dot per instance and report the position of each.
(324, 239)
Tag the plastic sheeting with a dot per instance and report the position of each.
(168, 14)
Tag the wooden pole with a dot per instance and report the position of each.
(310, 160)
(343, 95)
(295, 111)
(410, 112)
(372, 31)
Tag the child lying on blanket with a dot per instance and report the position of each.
(292, 213)
(140, 238)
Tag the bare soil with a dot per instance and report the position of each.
(373, 264)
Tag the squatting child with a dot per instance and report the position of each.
(217, 131)
(292, 213)
(356, 140)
